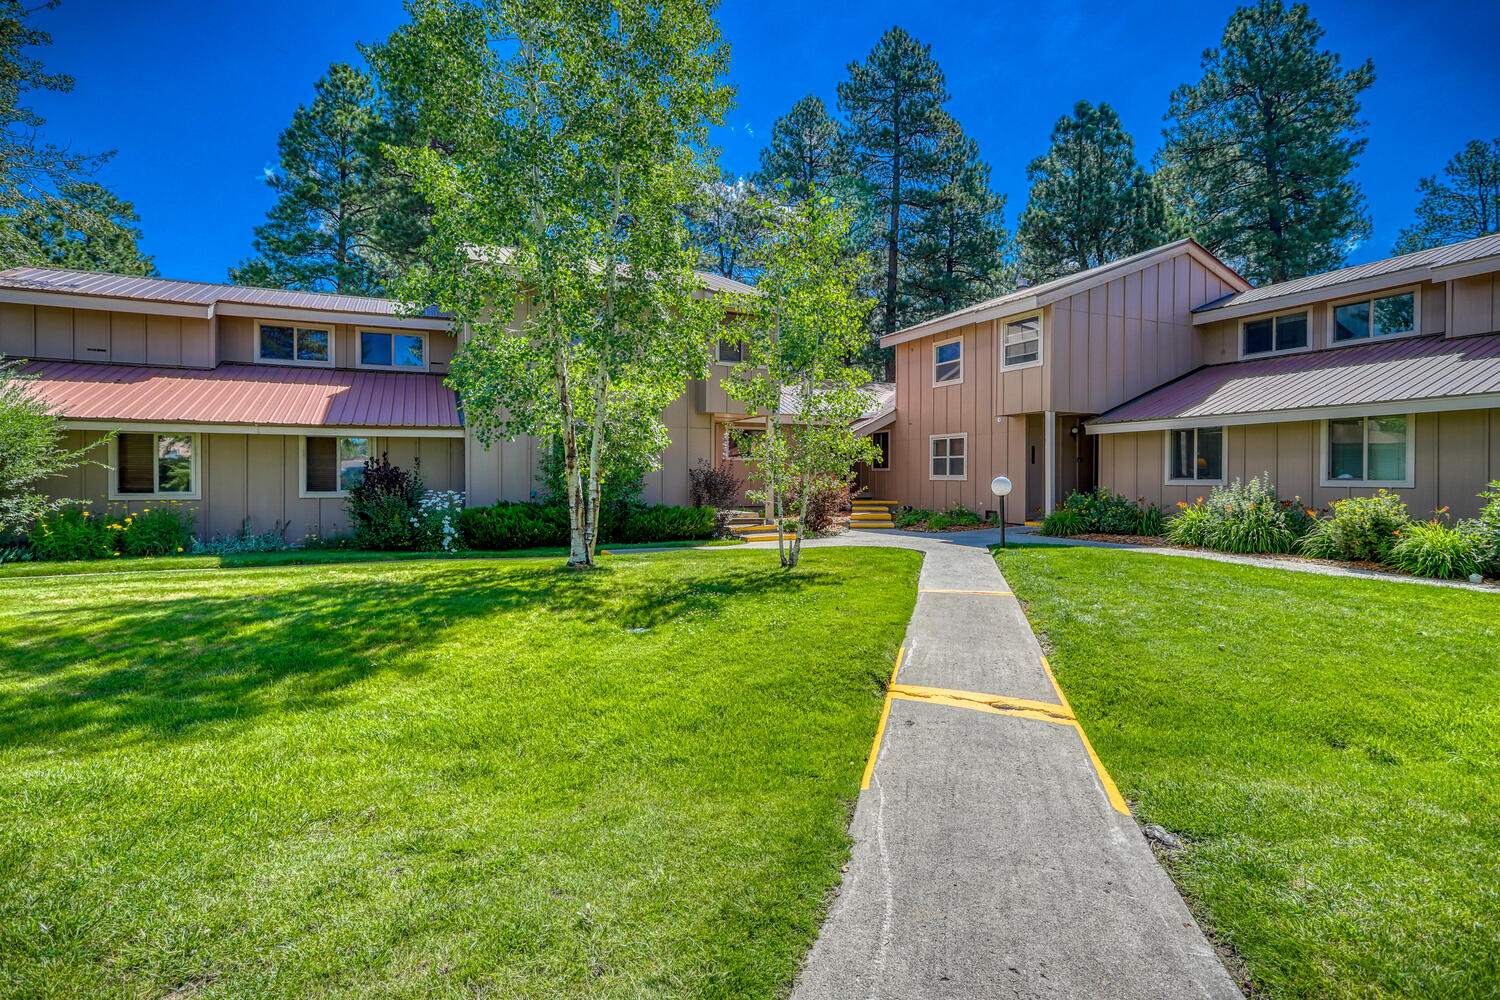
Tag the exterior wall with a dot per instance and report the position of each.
(257, 476)
(1476, 305)
(54, 333)
(1219, 343)
(1457, 453)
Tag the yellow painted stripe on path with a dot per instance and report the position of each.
(977, 699)
(982, 706)
(1110, 791)
(982, 593)
(885, 713)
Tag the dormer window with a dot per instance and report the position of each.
(948, 362)
(379, 349)
(1385, 316)
(294, 344)
(1274, 335)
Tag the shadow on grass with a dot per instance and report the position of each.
(129, 663)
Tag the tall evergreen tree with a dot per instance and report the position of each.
(1091, 202)
(1263, 146)
(51, 213)
(342, 221)
(894, 105)
(806, 152)
(728, 225)
(958, 245)
(1461, 206)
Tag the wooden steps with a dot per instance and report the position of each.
(871, 514)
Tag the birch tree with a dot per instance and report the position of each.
(571, 133)
(801, 328)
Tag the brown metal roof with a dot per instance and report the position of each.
(1421, 261)
(1408, 369)
(269, 395)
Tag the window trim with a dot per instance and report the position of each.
(1041, 338)
(1166, 457)
(1370, 297)
(113, 489)
(359, 352)
(1273, 317)
(959, 340)
(886, 452)
(1409, 482)
(718, 357)
(303, 492)
(296, 325)
(932, 476)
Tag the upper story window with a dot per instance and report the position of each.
(294, 344)
(1022, 344)
(378, 349)
(1368, 451)
(948, 362)
(1274, 335)
(730, 352)
(1195, 455)
(1383, 316)
(154, 465)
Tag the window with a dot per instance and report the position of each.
(730, 352)
(948, 362)
(882, 441)
(1275, 335)
(1195, 455)
(737, 442)
(950, 456)
(392, 350)
(1368, 451)
(155, 465)
(1388, 316)
(296, 345)
(1023, 342)
(332, 465)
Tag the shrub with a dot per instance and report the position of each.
(15, 548)
(163, 530)
(384, 507)
(714, 486)
(1486, 528)
(1151, 521)
(666, 524)
(1434, 549)
(954, 517)
(1190, 525)
(1242, 517)
(1102, 511)
(1063, 523)
(244, 540)
(1359, 528)
(73, 534)
(438, 513)
(911, 517)
(503, 526)
(823, 506)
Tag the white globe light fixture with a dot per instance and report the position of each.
(1001, 487)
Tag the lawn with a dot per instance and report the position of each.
(1329, 749)
(435, 778)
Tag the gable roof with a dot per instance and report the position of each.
(1455, 260)
(1396, 376)
(1036, 296)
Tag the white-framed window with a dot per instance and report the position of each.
(290, 343)
(729, 352)
(1370, 451)
(153, 464)
(332, 465)
(1283, 334)
(950, 456)
(1195, 455)
(948, 362)
(882, 441)
(396, 351)
(1393, 314)
(1021, 342)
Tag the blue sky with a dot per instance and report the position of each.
(194, 94)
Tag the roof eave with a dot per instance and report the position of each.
(1436, 404)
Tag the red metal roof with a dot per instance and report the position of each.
(270, 395)
(1431, 367)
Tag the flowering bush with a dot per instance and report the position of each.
(163, 530)
(1359, 528)
(1241, 517)
(1486, 528)
(1434, 549)
(73, 534)
(436, 521)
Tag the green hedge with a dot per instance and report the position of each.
(504, 526)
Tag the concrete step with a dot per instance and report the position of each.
(740, 529)
(871, 525)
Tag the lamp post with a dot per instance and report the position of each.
(1000, 486)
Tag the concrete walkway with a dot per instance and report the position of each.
(988, 860)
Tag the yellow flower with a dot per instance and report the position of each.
(85, 513)
(116, 527)
(114, 553)
(179, 548)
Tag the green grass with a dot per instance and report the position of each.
(301, 557)
(1329, 747)
(435, 778)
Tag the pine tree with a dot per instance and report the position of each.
(958, 245)
(1091, 202)
(51, 214)
(727, 225)
(806, 152)
(1463, 205)
(342, 221)
(893, 102)
(1264, 144)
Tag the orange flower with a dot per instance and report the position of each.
(1182, 505)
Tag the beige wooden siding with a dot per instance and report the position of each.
(1476, 305)
(1456, 454)
(237, 343)
(1113, 342)
(1219, 343)
(256, 477)
(53, 333)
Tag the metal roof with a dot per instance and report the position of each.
(1422, 263)
(1395, 371)
(271, 395)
